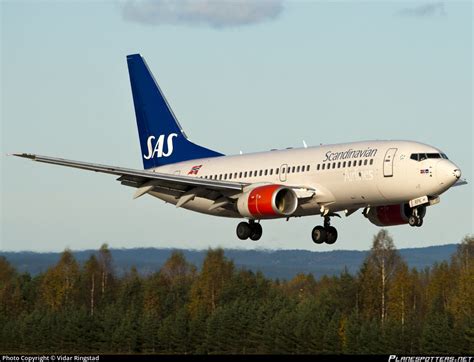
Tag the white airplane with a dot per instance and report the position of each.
(391, 181)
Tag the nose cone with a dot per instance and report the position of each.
(447, 173)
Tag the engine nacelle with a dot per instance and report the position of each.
(269, 201)
(390, 215)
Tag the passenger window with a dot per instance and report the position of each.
(271, 171)
(276, 171)
(323, 166)
(317, 167)
(334, 165)
(266, 172)
(298, 169)
(338, 165)
(245, 174)
(344, 164)
(220, 177)
(372, 161)
(360, 162)
(365, 162)
(348, 163)
(307, 168)
(261, 172)
(255, 173)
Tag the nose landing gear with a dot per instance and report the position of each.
(416, 218)
(324, 234)
(250, 230)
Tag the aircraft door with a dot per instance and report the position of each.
(388, 162)
(283, 171)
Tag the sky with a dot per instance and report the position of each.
(240, 75)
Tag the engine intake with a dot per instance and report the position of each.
(269, 201)
(390, 215)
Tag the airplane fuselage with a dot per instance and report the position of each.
(343, 176)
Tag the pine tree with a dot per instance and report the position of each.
(437, 333)
(352, 335)
(331, 340)
(198, 333)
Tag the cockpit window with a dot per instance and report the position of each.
(424, 156)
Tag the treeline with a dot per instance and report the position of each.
(384, 308)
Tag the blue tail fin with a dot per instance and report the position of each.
(162, 139)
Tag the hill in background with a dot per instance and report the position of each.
(281, 264)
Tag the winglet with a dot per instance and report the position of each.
(23, 155)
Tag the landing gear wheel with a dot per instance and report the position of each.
(419, 221)
(331, 235)
(244, 230)
(413, 220)
(257, 231)
(319, 234)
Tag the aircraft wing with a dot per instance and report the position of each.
(460, 182)
(141, 178)
(182, 187)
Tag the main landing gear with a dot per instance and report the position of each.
(324, 234)
(250, 230)
(416, 218)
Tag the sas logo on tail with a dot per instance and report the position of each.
(157, 148)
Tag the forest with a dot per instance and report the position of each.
(384, 308)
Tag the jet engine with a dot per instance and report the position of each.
(390, 215)
(269, 201)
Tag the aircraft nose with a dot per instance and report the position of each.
(447, 173)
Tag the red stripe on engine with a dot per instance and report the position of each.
(391, 215)
(260, 200)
